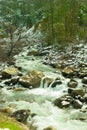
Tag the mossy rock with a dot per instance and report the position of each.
(10, 123)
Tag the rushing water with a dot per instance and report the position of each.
(39, 100)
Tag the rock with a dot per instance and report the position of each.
(12, 81)
(47, 81)
(34, 53)
(56, 82)
(7, 110)
(77, 92)
(82, 73)
(31, 126)
(33, 78)
(11, 123)
(70, 90)
(77, 104)
(72, 83)
(10, 71)
(53, 64)
(85, 98)
(84, 80)
(63, 102)
(21, 115)
(50, 128)
(68, 72)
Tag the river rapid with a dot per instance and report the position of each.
(40, 100)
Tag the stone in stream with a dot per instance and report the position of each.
(72, 83)
(68, 72)
(77, 104)
(32, 79)
(50, 128)
(85, 98)
(14, 80)
(63, 102)
(82, 73)
(70, 90)
(84, 80)
(77, 92)
(21, 115)
(9, 72)
(56, 82)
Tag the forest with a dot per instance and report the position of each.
(60, 20)
(43, 64)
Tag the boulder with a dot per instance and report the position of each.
(77, 104)
(68, 72)
(84, 80)
(77, 92)
(32, 79)
(21, 115)
(11, 123)
(50, 128)
(72, 83)
(63, 102)
(10, 71)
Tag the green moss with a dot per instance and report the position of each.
(10, 125)
(7, 122)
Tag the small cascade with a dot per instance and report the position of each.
(44, 84)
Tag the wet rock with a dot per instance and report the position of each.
(53, 64)
(77, 104)
(80, 98)
(7, 82)
(84, 85)
(10, 123)
(34, 53)
(7, 110)
(70, 90)
(12, 81)
(85, 98)
(82, 73)
(50, 128)
(63, 102)
(47, 81)
(21, 115)
(31, 126)
(77, 92)
(18, 67)
(84, 80)
(68, 72)
(33, 78)
(72, 83)
(56, 82)
(10, 71)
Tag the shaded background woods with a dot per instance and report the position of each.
(59, 20)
